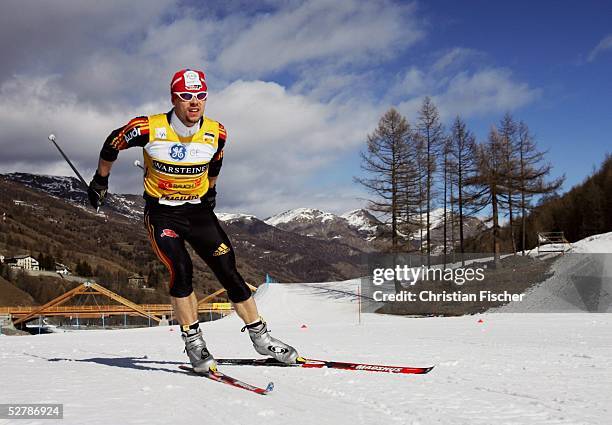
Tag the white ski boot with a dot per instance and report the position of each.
(267, 345)
(199, 356)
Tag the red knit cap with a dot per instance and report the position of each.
(188, 80)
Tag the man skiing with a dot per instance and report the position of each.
(183, 154)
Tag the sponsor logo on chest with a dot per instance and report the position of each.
(169, 185)
(179, 170)
(178, 152)
(161, 133)
(193, 152)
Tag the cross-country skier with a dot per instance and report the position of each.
(183, 153)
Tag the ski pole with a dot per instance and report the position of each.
(52, 138)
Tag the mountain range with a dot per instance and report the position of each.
(299, 245)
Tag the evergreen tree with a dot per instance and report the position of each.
(83, 268)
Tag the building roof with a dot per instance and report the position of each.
(19, 257)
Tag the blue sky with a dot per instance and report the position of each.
(546, 46)
(299, 85)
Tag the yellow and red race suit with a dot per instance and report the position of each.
(176, 168)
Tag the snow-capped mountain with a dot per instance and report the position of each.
(355, 228)
(234, 217)
(67, 188)
(364, 222)
(436, 218)
(299, 215)
(71, 190)
(65, 221)
(471, 227)
(361, 229)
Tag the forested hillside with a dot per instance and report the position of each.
(583, 211)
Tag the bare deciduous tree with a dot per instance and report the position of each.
(530, 178)
(463, 152)
(492, 179)
(411, 193)
(384, 161)
(507, 131)
(430, 131)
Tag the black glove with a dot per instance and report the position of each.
(98, 187)
(210, 199)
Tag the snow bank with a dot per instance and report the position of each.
(594, 244)
(581, 281)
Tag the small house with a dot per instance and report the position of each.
(24, 262)
(136, 281)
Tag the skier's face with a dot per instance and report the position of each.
(188, 111)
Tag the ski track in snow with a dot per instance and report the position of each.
(511, 369)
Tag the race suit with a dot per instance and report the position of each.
(175, 179)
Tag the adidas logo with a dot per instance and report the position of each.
(277, 350)
(223, 249)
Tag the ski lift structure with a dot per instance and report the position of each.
(122, 306)
(553, 242)
(53, 307)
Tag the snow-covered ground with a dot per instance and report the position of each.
(509, 369)
(594, 244)
(581, 281)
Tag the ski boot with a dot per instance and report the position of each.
(267, 345)
(199, 356)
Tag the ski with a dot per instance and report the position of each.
(226, 379)
(319, 364)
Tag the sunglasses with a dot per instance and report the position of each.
(187, 96)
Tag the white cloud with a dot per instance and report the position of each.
(82, 71)
(469, 94)
(413, 83)
(337, 31)
(32, 108)
(57, 35)
(484, 92)
(453, 57)
(602, 46)
(433, 78)
(107, 55)
(328, 85)
(278, 141)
